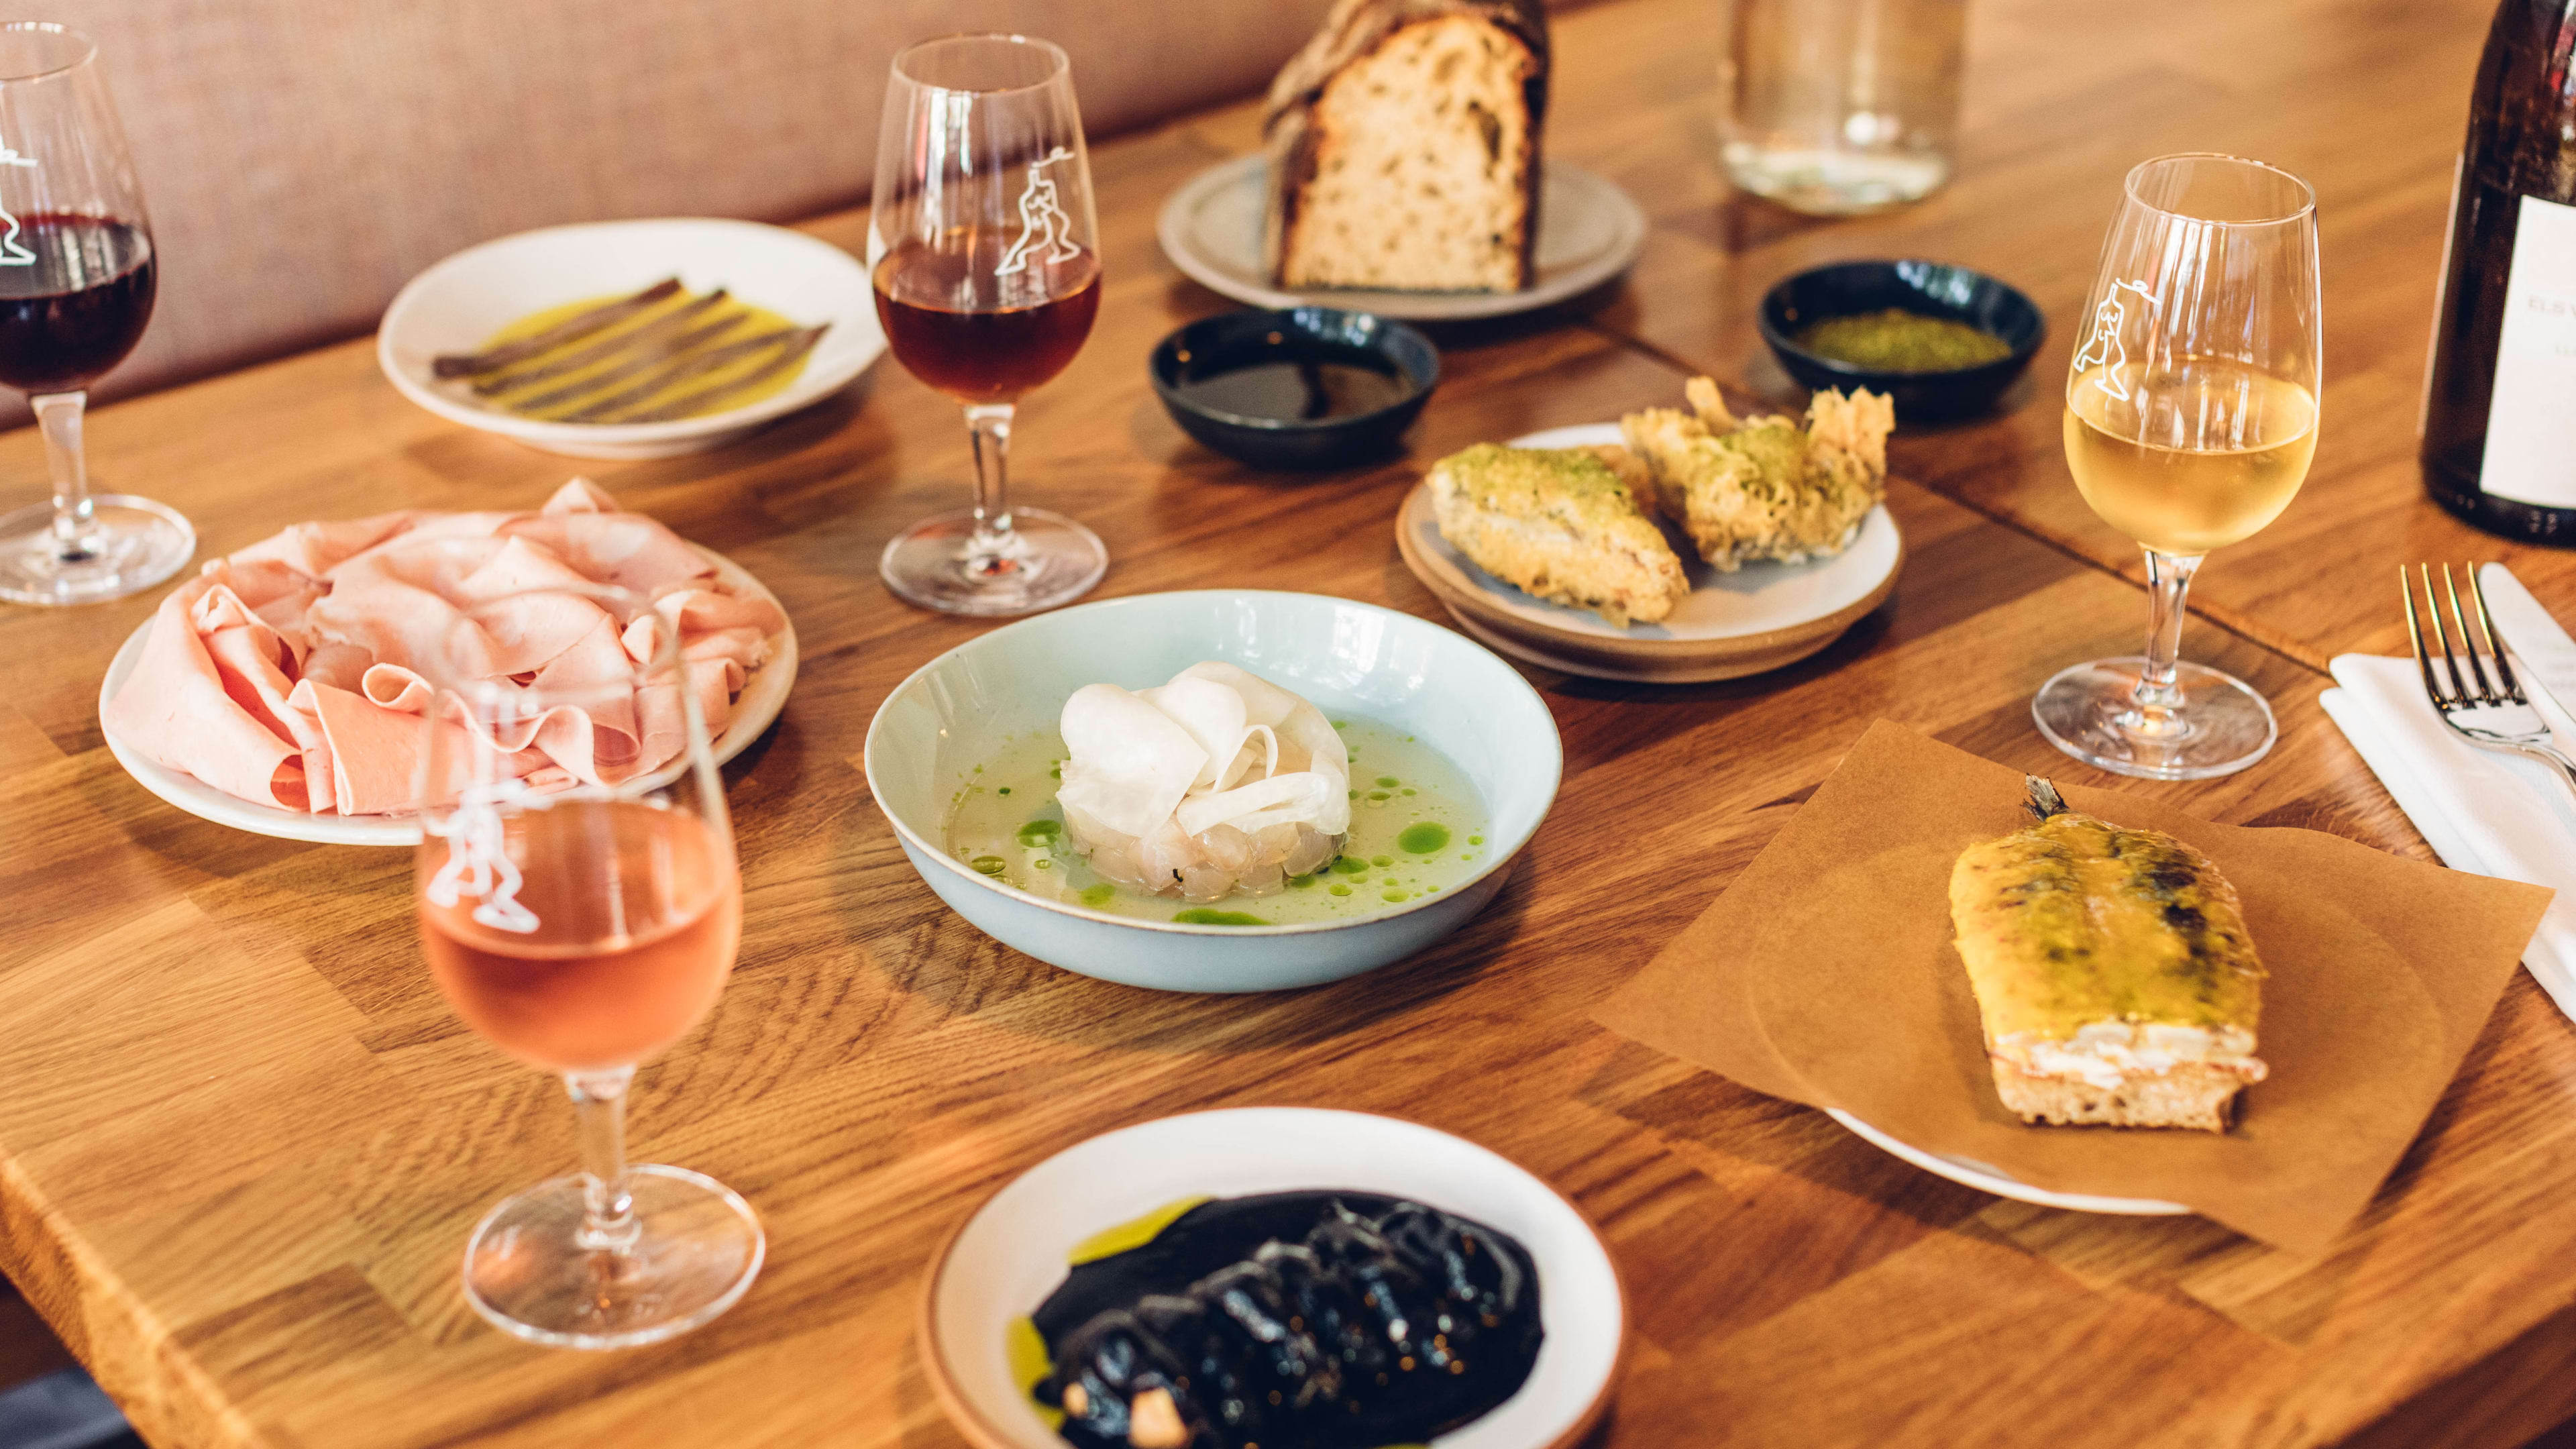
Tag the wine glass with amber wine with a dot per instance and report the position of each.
(78, 273)
(583, 917)
(985, 252)
(2191, 416)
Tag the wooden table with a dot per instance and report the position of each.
(241, 1138)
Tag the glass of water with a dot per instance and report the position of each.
(1834, 107)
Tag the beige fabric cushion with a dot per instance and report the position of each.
(303, 158)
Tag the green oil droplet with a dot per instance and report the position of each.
(1407, 790)
(1475, 840)
(1341, 890)
(1381, 860)
(1099, 895)
(1427, 838)
(1043, 863)
(992, 865)
(1005, 790)
(1394, 895)
(1300, 882)
(1389, 781)
(1038, 833)
(1378, 797)
(1202, 916)
(1056, 773)
(1341, 724)
(1350, 865)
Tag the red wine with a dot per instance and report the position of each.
(2499, 434)
(955, 320)
(79, 307)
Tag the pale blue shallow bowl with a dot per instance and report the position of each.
(1349, 658)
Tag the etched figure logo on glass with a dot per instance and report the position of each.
(1042, 219)
(2103, 349)
(13, 253)
(478, 861)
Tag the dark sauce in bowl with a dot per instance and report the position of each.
(1297, 1320)
(1351, 385)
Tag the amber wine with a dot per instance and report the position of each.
(2191, 456)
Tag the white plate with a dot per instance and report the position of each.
(1011, 1254)
(1759, 617)
(1972, 1173)
(458, 304)
(1588, 232)
(763, 696)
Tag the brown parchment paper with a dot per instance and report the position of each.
(1826, 974)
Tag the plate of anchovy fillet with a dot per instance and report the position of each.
(632, 339)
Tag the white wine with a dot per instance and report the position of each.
(2191, 456)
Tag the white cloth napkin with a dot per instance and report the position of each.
(2481, 811)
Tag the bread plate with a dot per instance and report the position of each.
(458, 304)
(754, 710)
(1006, 1258)
(1758, 618)
(1589, 231)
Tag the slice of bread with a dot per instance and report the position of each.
(2198, 1095)
(1404, 148)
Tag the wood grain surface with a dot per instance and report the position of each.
(242, 1139)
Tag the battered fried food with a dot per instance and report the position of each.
(2113, 973)
(1560, 524)
(1765, 488)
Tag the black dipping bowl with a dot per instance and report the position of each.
(1933, 289)
(1225, 344)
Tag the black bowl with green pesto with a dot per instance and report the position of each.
(1942, 340)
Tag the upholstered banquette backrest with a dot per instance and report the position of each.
(303, 158)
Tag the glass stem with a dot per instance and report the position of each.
(994, 550)
(58, 415)
(608, 1222)
(2168, 580)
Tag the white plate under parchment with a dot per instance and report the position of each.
(1588, 232)
(763, 695)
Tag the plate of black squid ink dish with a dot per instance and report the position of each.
(1274, 1278)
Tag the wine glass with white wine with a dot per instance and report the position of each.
(2191, 416)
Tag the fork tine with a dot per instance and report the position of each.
(2414, 636)
(2433, 618)
(2468, 643)
(2495, 648)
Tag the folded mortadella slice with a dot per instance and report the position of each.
(176, 709)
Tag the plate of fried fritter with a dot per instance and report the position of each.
(1673, 546)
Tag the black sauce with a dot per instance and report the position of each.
(1298, 1320)
(1307, 389)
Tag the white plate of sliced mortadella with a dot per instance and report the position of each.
(269, 692)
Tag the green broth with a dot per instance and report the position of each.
(1003, 821)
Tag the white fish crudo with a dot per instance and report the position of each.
(1214, 783)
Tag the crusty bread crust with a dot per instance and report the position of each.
(1364, 44)
(2190, 1094)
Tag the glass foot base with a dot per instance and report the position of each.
(131, 544)
(698, 1248)
(1053, 560)
(2218, 727)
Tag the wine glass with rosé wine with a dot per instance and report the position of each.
(2191, 418)
(78, 272)
(985, 252)
(580, 906)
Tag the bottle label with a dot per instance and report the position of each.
(2531, 429)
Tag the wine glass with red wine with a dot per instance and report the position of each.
(985, 251)
(77, 273)
(580, 906)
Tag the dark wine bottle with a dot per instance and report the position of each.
(2499, 431)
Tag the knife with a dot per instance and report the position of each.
(2545, 655)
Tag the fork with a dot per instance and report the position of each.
(2484, 703)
